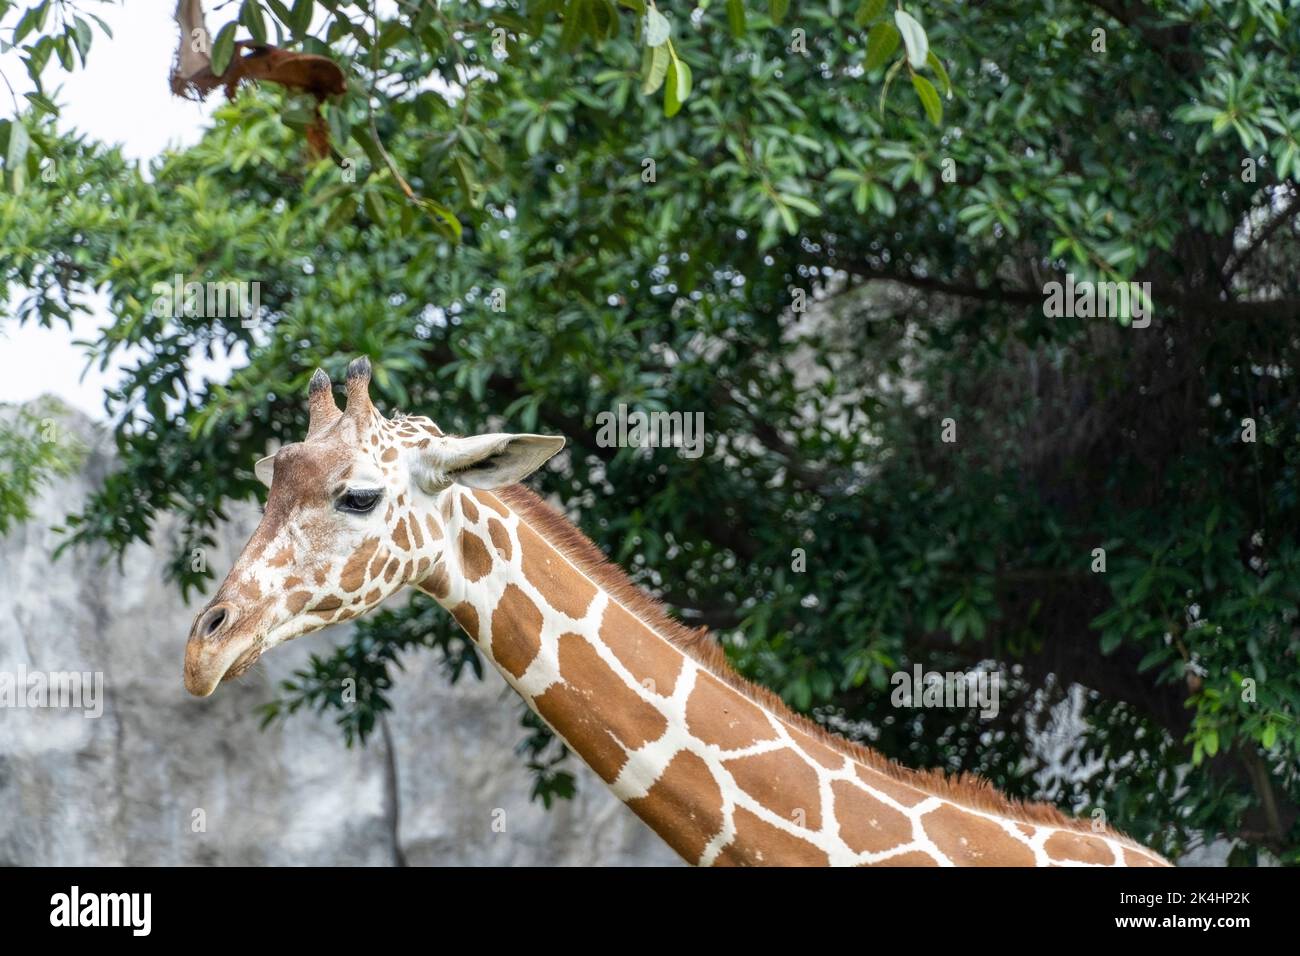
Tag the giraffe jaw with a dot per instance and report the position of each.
(243, 663)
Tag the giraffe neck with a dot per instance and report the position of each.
(719, 769)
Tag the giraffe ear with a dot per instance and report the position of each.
(265, 470)
(487, 461)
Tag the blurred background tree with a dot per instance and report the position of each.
(33, 451)
(531, 228)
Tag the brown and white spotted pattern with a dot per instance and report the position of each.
(724, 773)
(723, 779)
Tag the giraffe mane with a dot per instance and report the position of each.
(967, 789)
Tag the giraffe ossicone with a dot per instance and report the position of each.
(718, 767)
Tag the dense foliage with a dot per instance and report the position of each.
(566, 247)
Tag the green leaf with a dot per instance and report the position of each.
(223, 48)
(1152, 658)
(82, 37)
(19, 142)
(300, 16)
(298, 117)
(375, 206)
(657, 28)
(882, 41)
(736, 17)
(777, 9)
(684, 80)
(342, 212)
(16, 156)
(443, 217)
(787, 218)
(250, 15)
(937, 65)
(805, 206)
(602, 20)
(533, 138)
(929, 98)
(869, 11)
(43, 103)
(574, 24)
(913, 38)
(279, 10)
(677, 86)
(884, 92)
(800, 693)
(468, 184)
(33, 19)
(883, 200)
(654, 67)
(371, 148)
(102, 25)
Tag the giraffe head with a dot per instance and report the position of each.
(351, 517)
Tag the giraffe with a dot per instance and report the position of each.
(718, 767)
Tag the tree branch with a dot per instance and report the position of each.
(1171, 42)
(1265, 234)
(1200, 302)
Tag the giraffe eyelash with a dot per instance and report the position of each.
(359, 501)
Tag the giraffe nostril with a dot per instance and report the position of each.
(212, 620)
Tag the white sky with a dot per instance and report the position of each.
(121, 97)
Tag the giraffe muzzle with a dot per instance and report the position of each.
(214, 651)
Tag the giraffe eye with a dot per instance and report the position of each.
(359, 502)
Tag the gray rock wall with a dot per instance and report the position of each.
(124, 788)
